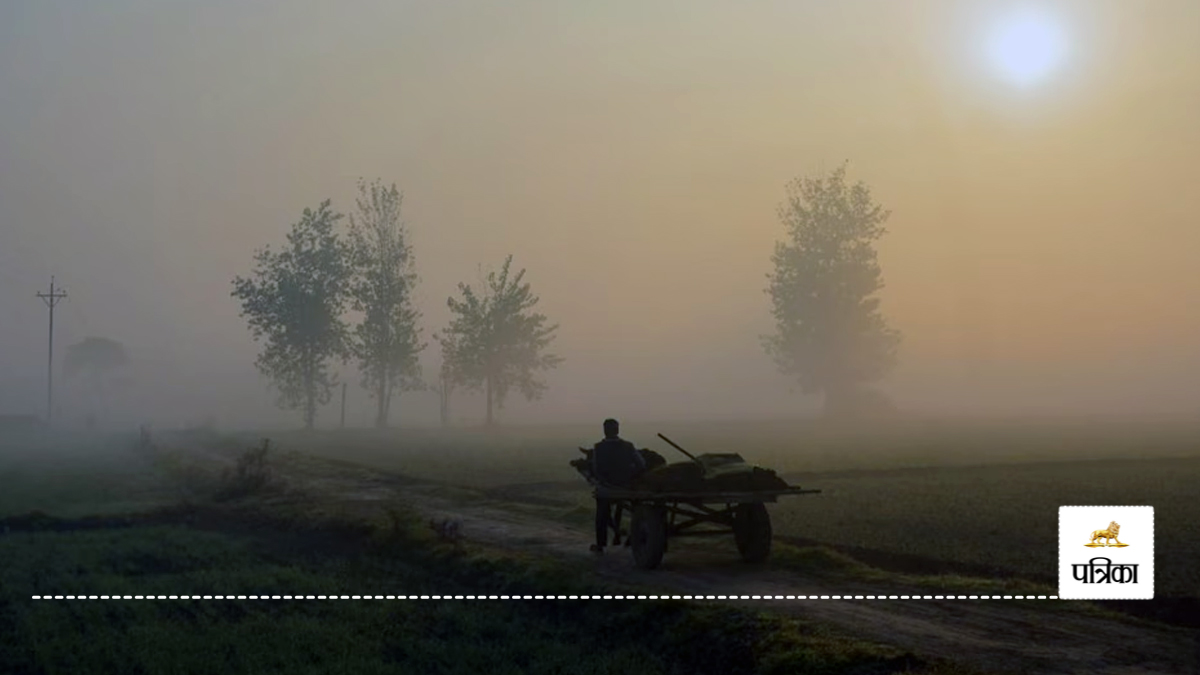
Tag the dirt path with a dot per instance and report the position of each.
(1005, 635)
(1019, 636)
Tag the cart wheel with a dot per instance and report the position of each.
(752, 530)
(648, 534)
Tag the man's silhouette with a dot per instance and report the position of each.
(615, 462)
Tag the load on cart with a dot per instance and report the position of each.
(710, 494)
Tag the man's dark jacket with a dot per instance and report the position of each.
(616, 461)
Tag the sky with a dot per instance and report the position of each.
(1040, 255)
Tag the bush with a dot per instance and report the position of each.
(251, 475)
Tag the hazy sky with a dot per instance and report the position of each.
(1041, 254)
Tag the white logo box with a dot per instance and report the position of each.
(1107, 570)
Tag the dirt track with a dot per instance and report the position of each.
(1018, 636)
(1005, 635)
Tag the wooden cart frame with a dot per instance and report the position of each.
(657, 517)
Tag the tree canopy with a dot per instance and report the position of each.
(387, 340)
(495, 341)
(293, 302)
(829, 332)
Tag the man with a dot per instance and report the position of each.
(615, 462)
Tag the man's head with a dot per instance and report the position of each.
(611, 428)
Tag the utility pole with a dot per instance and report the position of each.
(343, 405)
(51, 299)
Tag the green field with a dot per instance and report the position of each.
(971, 494)
(979, 494)
(348, 636)
(261, 546)
(983, 495)
(480, 457)
(74, 475)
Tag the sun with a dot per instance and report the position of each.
(1027, 47)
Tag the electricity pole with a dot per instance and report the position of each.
(51, 299)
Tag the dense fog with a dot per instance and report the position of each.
(1040, 254)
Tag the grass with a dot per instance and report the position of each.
(255, 546)
(364, 636)
(1002, 517)
(984, 496)
(909, 491)
(489, 458)
(76, 475)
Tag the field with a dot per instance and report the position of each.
(334, 636)
(983, 497)
(95, 517)
(923, 499)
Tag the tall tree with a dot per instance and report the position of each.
(496, 342)
(829, 332)
(293, 302)
(387, 341)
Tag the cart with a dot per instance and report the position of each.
(656, 517)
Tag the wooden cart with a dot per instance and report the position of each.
(659, 516)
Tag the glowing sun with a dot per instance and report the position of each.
(1026, 48)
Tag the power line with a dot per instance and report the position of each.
(51, 299)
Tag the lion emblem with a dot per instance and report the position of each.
(1108, 535)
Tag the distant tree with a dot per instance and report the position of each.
(293, 302)
(829, 332)
(387, 341)
(444, 387)
(98, 364)
(495, 342)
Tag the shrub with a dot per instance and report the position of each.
(251, 475)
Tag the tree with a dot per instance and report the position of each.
(387, 339)
(97, 362)
(444, 388)
(495, 341)
(829, 332)
(293, 303)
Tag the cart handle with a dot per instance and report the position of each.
(676, 446)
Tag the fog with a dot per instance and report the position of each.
(1041, 254)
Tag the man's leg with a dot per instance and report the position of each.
(616, 524)
(603, 513)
